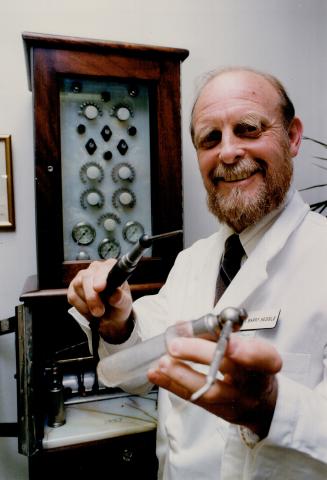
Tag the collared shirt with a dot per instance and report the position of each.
(253, 234)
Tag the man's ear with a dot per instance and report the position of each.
(295, 131)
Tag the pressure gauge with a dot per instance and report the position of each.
(83, 233)
(132, 231)
(109, 248)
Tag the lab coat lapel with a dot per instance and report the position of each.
(205, 292)
(254, 271)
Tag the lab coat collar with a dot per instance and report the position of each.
(254, 271)
(251, 236)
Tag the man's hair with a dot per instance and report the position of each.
(286, 105)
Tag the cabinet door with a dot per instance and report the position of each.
(122, 458)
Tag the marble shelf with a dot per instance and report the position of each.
(101, 419)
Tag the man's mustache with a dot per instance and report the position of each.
(239, 171)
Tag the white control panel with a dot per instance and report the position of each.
(106, 168)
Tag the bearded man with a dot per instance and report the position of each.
(265, 416)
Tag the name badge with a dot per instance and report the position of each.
(261, 320)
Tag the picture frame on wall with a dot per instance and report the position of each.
(7, 212)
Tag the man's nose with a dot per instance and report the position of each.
(231, 150)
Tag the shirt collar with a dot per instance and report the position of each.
(251, 235)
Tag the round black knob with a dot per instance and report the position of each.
(132, 131)
(76, 87)
(106, 96)
(107, 155)
(81, 128)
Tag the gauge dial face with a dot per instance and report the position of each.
(133, 231)
(109, 248)
(83, 233)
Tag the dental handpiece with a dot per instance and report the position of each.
(132, 364)
(121, 272)
(126, 265)
(232, 321)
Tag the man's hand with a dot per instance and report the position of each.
(245, 396)
(84, 294)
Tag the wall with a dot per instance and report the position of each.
(285, 37)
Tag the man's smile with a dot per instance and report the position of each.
(234, 174)
(236, 177)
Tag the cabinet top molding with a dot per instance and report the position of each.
(42, 40)
(59, 42)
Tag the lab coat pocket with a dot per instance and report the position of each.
(296, 365)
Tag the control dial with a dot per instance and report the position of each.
(109, 221)
(90, 110)
(82, 255)
(91, 171)
(123, 112)
(123, 172)
(123, 197)
(92, 197)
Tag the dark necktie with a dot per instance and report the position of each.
(230, 264)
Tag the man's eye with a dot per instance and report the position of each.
(245, 129)
(211, 139)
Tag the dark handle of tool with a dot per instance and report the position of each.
(120, 272)
(126, 265)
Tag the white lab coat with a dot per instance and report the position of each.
(288, 271)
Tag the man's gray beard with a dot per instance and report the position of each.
(240, 210)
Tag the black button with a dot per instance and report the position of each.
(107, 155)
(91, 146)
(106, 96)
(122, 147)
(133, 90)
(81, 128)
(132, 131)
(106, 133)
(76, 87)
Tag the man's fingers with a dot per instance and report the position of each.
(85, 288)
(82, 307)
(183, 380)
(121, 298)
(192, 349)
(100, 272)
(254, 354)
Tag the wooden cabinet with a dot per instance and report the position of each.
(107, 147)
(107, 137)
(48, 335)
